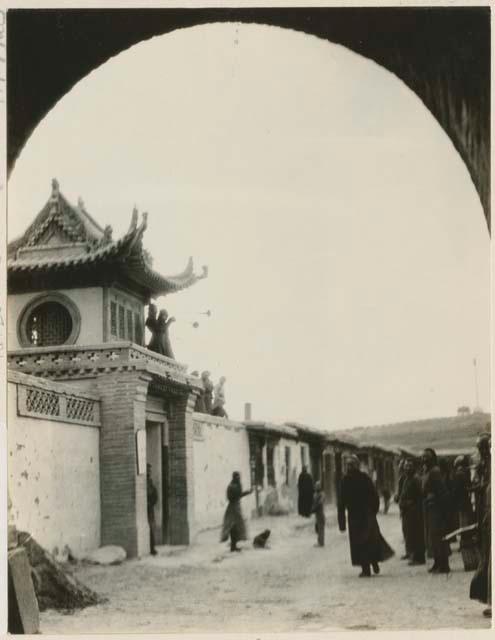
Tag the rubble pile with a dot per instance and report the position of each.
(54, 584)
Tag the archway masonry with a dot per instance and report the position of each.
(442, 54)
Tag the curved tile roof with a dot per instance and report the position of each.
(92, 246)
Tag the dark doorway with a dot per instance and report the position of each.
(315, 457)
(287, 465)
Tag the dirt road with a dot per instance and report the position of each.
(292, 586)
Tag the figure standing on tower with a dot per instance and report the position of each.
(218, 408)
(159, 327)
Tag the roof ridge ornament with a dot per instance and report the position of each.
(55, 188)
(134, 219)
(144, 223)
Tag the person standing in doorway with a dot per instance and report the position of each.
(234, 524)
(319, 511)
(152, 498)
(358, 496)
(305, 493)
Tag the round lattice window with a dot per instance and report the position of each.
(48, 321)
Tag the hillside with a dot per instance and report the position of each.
(456, 433)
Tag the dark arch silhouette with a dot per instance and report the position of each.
(442, 54)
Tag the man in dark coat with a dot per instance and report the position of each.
(436, 513)
(461, 498)
(402, 477)
(305, 493)
(411, 510)
(233, 521)
(481, 587)
(446, 473)
(359, 497)
(152, 496)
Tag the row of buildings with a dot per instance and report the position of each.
(89, 406)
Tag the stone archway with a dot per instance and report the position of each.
(442, 54)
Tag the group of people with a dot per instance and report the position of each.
(312, 500)
(211, 399)
(438, 504)
(358, 498)
(435, 506)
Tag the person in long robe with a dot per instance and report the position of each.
(199, 406)
(208, 391)
(218, 408)
(234, 524)
(305, 491)
(461, 498)
(446, 473)
(435, 513)
(480, 588)
(150, 323)
(402, 477)
(159, 327)
(411, 510)
(318, 508)
(358, 496)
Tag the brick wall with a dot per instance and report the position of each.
(123, 492)
(181, 470)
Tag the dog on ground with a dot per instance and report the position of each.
(260, 540)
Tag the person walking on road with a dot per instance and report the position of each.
(411, 510)
(461, 499)
(402, 477)
(319, 511)
(436, 513)
(358, 496)
(305, 493)
(481, 584)
(234, 524)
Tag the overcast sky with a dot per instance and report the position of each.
(347, 248)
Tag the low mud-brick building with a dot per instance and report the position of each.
(89, 405)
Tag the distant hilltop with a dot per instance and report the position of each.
(445, 435)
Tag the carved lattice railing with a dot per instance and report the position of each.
(69, 360)
(36, 400)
